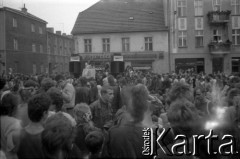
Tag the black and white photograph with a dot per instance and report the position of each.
(88, 79)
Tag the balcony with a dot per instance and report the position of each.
(219, 17)
(219, 48)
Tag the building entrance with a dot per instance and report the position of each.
(217, 64)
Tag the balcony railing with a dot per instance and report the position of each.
(219, 47)
(219, 17)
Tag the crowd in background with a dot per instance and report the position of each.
(65, 117)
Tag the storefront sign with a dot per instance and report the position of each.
(118, 58)
(75, 58)
(96, 57)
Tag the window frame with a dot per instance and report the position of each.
(87, 45)
(182, 37)
(33, 28)
(125, 44)
(219, 3)
(148, 43)
(198, 36)
(235, 36)
(198, 7)
(235, 6)
(180, 8)
(15, 23)
(15, 44)
(34, 47)
(106, 44)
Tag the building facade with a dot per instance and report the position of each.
(60, 47)
(23, 46)
(205, 35)
(135, 30)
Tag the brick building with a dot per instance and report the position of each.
(205, 35)
(133, 29)
(60, 48)
(23, 44)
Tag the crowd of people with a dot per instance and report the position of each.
(62, 117)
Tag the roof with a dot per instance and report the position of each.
(26, 14)
(112, 16)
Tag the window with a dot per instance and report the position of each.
(34, 67)
(217, 35)
(199, 38)
(235, 7)
(148, 44)
(182, 23)
(125, 44)
(216, 5)
(182, 39)
(15, 44)
(40, 30)
(199, 23)
(182, 8)
(33, 48)
(198, 7)
(14, 22)
(32, 27)
(236, 37)
(236, 64)
(41, 48)
(88, 45)
(106, 44)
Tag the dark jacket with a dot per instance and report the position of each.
(82, 95)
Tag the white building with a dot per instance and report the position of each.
(134, 29)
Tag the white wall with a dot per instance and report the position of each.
(160, 41)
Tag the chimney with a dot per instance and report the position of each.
(51, 30)
(64, 34)
(24, 9)
(58, 32)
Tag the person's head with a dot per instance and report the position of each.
(180, 91)
(111, 80)
(183, 117)
(231, 94)
(38, 107)
(25, 95)
(94, 141)
(58, 135)
(83, 81)
(56, 98)
(139, 102)
(82, 113)
(60, 79)
(9, 104)
(107, 93)
(47, 83)
(2, 83)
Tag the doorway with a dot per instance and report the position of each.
(217, 64)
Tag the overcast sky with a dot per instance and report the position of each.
(60, 14)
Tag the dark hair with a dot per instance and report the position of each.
(37, 105)
(9, 104)
(47, 83)
(105, 88)
(231, 94)
(180, 90)
(94, 141)
(25, 95)
(183, 117)
(111, 80)
(31, 83)
(139, 105)
(58, 134)
(2, 83)
(59, 77)
(83, 81)
(56, 98)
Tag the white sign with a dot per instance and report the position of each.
(88, 73)
(75, 58)
(117, 58)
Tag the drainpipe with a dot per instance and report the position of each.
(169, 34)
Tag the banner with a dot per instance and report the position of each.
(89, 73)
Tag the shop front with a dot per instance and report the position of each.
(235, 64)
(194, 64)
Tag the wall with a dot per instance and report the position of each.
(160, 42)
